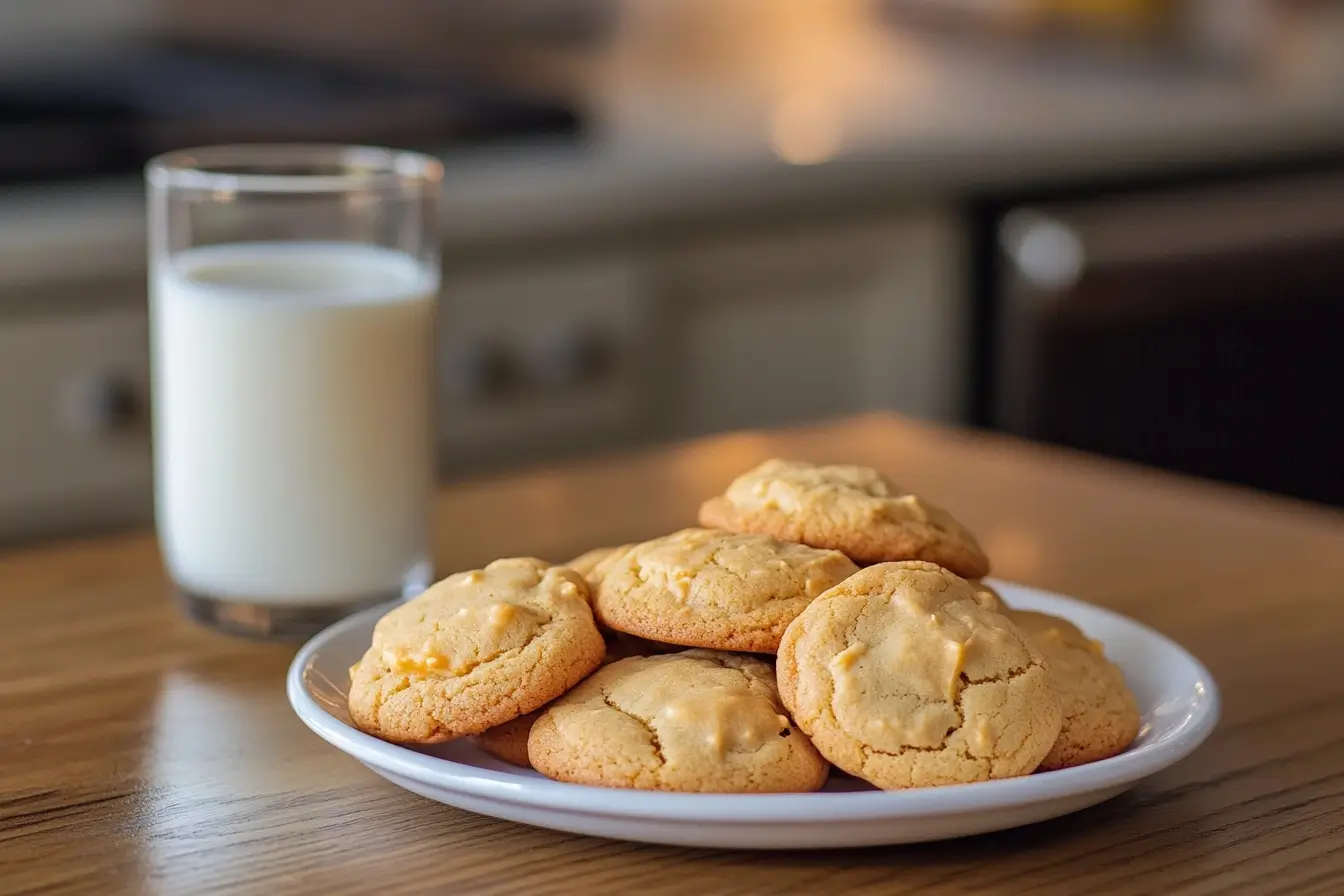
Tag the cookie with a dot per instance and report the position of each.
(715, 589)
(902, 678)
(509, 741)
(1101, 717)
(699, 721)
(987, 597)
(592, 565)
(474, 651)
(855, 510)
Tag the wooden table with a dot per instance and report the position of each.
(139, 753)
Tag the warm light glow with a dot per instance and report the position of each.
(805, 129)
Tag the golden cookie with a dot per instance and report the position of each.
(1101, 717)
(700, 721)
(715, 589)
(509, 741)
(475, 650)
(593, 565)
(987, 596)
(856, 510)
(903, 679)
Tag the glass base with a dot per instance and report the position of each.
(278, 622)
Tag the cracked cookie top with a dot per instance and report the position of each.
(714, 589)
(1101, 717)
(475, 650)
(509, 741)
(851, 509)
(593, 565)
(904, 678)
(699, 720)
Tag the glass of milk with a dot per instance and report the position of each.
(292, 299)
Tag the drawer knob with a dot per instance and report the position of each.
(99, 404)
(481, 370)
(572, 356)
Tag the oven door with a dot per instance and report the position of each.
(1197, 332)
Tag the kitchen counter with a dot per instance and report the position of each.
(852, 115)
(143, 754)
(778, 202)
(778, 207)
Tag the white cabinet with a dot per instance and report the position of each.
(840, 317)
(545, 351)
(74, 420)
(540, 357)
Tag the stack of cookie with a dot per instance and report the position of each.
(822, 617)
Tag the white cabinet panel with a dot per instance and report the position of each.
(74, 421)
(542, 357)
(839, 319)
(767, 363)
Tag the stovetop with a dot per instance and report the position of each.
(110, 115)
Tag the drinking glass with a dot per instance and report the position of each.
(292, 305)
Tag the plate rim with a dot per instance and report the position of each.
(765, 808)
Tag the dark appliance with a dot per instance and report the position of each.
(1193, 329)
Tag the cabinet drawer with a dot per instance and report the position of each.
(821, 321)
(541, 359)
(74, 421)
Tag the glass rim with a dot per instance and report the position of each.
(242, 168)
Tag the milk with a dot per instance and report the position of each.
(292, 416)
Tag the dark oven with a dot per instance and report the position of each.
(1194, 329)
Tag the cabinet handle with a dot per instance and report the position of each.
(481, 371)
(1045, 252)
(572, 356)
(99, 404)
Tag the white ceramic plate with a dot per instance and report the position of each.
(1176, 694)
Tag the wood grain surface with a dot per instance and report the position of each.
(140, 754)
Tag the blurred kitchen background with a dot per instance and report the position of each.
(1112, 225)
